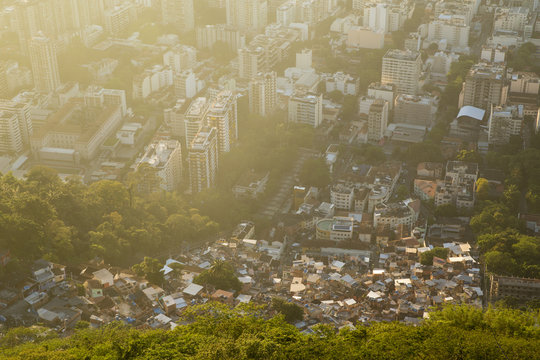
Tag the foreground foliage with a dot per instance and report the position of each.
(215, 332)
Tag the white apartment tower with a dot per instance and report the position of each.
(22, 116)
(304, 59)
(306, 108)
(180, 58)
(203, 160)
(222, 114)
(247, 15)
(194, 118)
(452, 29)
(44, 64)
(165, 157)
(403, 69)
(377, 120)
(10, 135)
(484, 85)
(178, 13)
(286, 13)
(262, 94)
(185, 84)
(504, 122)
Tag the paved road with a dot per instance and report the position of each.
(277, 202)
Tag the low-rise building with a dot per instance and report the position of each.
(415, 110)
(359, 37)
(392, 215)
(251, 184)
(504, 122)
(344, 83)
(306, 108)
(335, 229)
(342, 197)
(458, 187)
(425, 189)
(64, 138)
(522, 289)
(429, 170)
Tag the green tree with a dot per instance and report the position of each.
(292, 312)
(315, 172)
(522, 59)
(426, 258)
(446, 210)
(469, 156)
(221, 275)
(402, 192)
(482, 189)
(336, 96)
(500, 263)
(493, 218)
(150, 268)
(512, 197)
(422, 152)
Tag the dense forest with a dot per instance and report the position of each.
(213, 331)
(69, 222)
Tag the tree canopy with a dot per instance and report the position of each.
(213, 331)
(221, 275)
(315, 172)
(69, 222)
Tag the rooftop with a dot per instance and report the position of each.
(402, 54)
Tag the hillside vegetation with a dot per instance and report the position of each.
(213, 331)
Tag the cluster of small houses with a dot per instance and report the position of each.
(333, 285)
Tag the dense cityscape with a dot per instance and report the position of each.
(326, 171)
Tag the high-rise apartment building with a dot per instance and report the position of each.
(452, 29)
(304, 59)
(484, 85)
(261, 55)
(247, 15)
(358, 4)
(57, 19)
(382, 91)
(117, 18)
(306, 108)
(203, 160)
(164, 157)
(194, 118)
(415, 110)
(23, 117)
(524, 89)
(10, 135)
(504, 122)
(511, 19)
(180, 58)
(185, 84)
(403, 69)
(286, 13)
(179, 13)
(174, 118)
(262, 94)
(44, 64)
(251, 61)
(377, 120)
(222, 114)
(208, 35)
(376, 17)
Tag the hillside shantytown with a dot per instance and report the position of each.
(337, 162)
